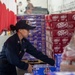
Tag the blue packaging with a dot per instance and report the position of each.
(58, 59)
(57, 69)
(40, 48)
(40, 16)
(39, 43)
(43, 69)
(39, 39)
(38, 35)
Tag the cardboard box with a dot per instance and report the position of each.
(40, 16)
(65, 40)
(47, 18)
(57, 40)
(43, 69)
(62, 32)
(49, 45)
(37, 37)
(71, 17)
(67, 68)
(63, 17)
(61, 40)
(57, 49)
(49, 53)
(62, 25)
(48, 32)
(50, 40)
(55, 17)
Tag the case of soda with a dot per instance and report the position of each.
(54, 73)
(43, 69)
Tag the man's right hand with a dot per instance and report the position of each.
(30, 68)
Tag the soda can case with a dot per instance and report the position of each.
(57, 49)
(71, 17)
(62, 25)
(55, 17)
(63, 17)
(43, 69)
(49, 53)
(58, 59)
(62, 73)
(47, 17)
(62, 32)
(61, 40)
(56, 40)
(38, 36)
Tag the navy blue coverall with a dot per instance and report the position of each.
(12, 53)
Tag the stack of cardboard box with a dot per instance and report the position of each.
(37, 36)
(59, 30)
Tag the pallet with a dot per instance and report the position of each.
(33, 61)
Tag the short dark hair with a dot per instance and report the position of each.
(12, 27)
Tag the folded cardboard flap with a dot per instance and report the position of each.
(67, 68)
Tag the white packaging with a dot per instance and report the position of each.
(68, 56)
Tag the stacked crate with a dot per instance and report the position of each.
(38, 35)
(49, 43)
(59, 28)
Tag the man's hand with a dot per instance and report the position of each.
(30, 68)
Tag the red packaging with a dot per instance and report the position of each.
(49, 17)
(71, 17)
(46, 17)
(62, 25)
(62, 33)
(49, 53)
(63, 17)
(71, 24)
(61, 40)
(57, 49)
(56, 41)
(65, 40)
(47, 25)
(55, 17)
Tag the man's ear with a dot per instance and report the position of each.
(19, 30)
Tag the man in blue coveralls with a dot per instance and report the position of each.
(14, 49)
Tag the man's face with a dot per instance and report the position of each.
(24, 33)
